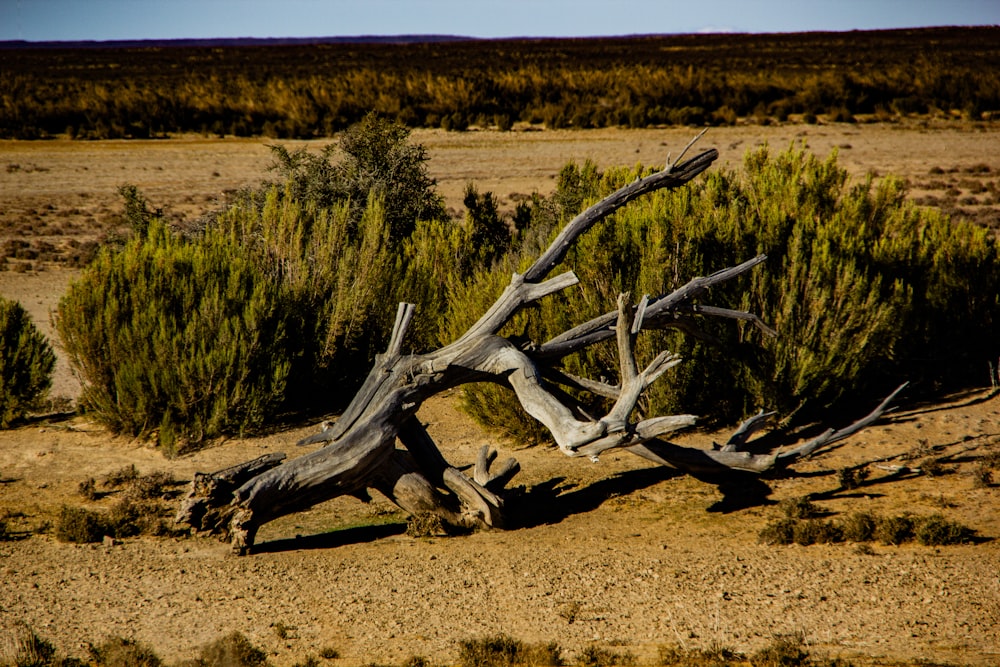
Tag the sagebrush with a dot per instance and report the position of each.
(862, 287)
(26, 363)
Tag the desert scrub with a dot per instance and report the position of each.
(859, 283)
(123, 652)
(26, 363)
(177, 339)
(80, 525)
(138, 510)
(233, 650)
(185, 337)
(22, 647)
(864, 527)
(505, 651)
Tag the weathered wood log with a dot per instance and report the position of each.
(379, 443)
(210, 491)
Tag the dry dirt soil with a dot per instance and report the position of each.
(620, 554)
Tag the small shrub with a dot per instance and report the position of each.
(425, 524)
(233, 650)
(121, 477)
(81, 526)
(982, 476)
(864, 549)
(330, 653)
(715, 655)
(852, 478)
(894, 530)
(784, 651)
(88, 489)
(935, 530)
(129, 518)
(23, 648)
(814, 531)
(122, 652)
(498, 651)
(859, 527)
(934, 468)
(504, 651)
(151, 486)
(595, 656)
(26, 363)
(799, 508)
(781, 531)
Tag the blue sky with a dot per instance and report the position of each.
(40, 20)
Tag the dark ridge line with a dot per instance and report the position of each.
(432, 39)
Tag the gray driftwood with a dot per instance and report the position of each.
(379, 443)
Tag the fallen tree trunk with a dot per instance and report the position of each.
(379, 443)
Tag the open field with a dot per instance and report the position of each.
(621, 556)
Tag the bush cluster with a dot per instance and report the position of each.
(26, 649)
(26, 363)
(277, 304)
(138, 509)
(862, 286)
(301, 91)
(933, 530)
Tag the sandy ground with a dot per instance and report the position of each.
(616, 554)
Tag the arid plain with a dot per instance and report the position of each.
(624, 556)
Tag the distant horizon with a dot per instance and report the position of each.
(443, 37)
(45, 21)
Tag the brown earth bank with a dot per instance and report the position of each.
(615, 554)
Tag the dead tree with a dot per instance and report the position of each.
(361, 450)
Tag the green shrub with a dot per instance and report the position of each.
(26, 363)
(935, 530)
(894, 530)
(784, 651)
(799, 508)
(852, 477)
(178, 337)
(373, 158)
(814, 531)
(860, 285)
(860, 526)
(864, 527)
(189, 337)
(81, 526)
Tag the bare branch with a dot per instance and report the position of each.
(678, 175)
(831, 436)
(659, 313)
(746, 430)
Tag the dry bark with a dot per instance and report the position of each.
(379, 443)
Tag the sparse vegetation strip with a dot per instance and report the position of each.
(301, 91)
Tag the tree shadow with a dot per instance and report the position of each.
(740, 491)
(332, 539)
(970, 397)
(551, 501)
